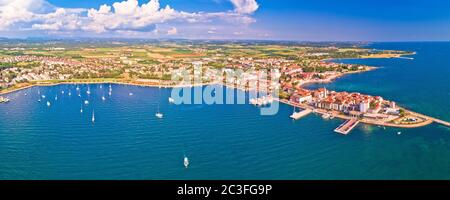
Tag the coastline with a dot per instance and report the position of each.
(365, 121)
(426, 122)
(141, 84)
(168, 84)
(332, 78)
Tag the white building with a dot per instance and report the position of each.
(364, 106)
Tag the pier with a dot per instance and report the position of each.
(298, 115)
(432, 119)
(442, 122)
(347, 126)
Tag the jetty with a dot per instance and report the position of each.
(298, 115)
(347, 126)
(442, 122)
(432, 119)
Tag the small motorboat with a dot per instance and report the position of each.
(326, 116)
(48, 103)
(86, 102)
(159, 115)
(171, 100)
(186, 162)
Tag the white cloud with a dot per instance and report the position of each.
(245, 6)
(121, 17)
(172, 31)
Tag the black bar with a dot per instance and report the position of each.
(254, 189)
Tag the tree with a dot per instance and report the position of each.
(402, 112)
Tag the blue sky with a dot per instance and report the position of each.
(311, 20)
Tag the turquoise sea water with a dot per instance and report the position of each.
(228, 141)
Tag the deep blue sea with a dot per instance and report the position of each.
(228, 141)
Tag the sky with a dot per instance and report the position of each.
(297, 20)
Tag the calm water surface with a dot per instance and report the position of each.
(228, 141)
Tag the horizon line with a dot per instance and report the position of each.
(219, 39)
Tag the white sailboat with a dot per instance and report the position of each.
(62, 92)
(88, 91)
(186, 162)
(48, 103)
(56, 98)
(86, 102)
(81, 109)
(93, 116)
(158, 113)
(78, 88)
(103, 98)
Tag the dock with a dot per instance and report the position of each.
(298, 115)
(442, 122)
(347, 126)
